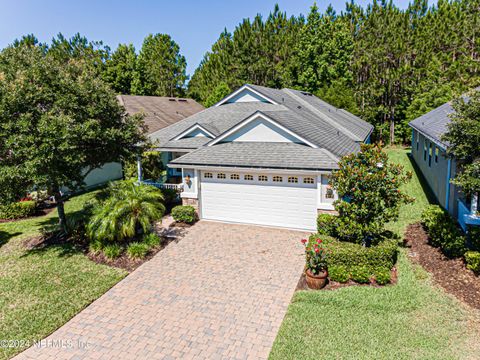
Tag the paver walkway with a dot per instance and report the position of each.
(221, 292)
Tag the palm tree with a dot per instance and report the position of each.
(129, 209)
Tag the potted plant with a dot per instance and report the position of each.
(316, 263)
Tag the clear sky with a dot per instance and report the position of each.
(193, 24)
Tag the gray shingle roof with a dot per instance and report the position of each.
(159, 111)
(260, 155)
(318, 122)
(434, 123)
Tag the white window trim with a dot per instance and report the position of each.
(254, 117)
(235, 93)
(191, 129)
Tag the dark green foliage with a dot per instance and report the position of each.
(386, 64)
(18, 210)
(184, 213)
(463, 136)
(129, 210)
(472, 258)
(112, 251)
(217, 94)
(368, 185)
(58, 120)
(136, 250)
(160, 68)
(171, 196)
(152, 240)
(326, 224)
(347, 261)
(120, 69)
(443, 232)
(152, 166)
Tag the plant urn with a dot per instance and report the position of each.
(316, 282)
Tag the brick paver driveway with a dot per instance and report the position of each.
(219, 293)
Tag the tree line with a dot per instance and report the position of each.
(387, 65)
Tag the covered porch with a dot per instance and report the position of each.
(171, 178)
(468, 213)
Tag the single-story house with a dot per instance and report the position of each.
(429, 153)
(262, 156)
(159, 112)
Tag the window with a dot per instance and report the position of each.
(418, 141)
(248, 177)
(234, 177)
(308, 180)
(221, 176)
(208, 175)
(437, 152)
(262, 178)
(425, 150)
(277, 179)
(430, 154)
(293, 179)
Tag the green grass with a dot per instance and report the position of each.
(42, 289)
(412, 319)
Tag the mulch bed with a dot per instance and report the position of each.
(174, 233)
(450, 274)
(333, 285)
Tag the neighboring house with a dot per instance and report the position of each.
(262, 156)
(159, 112)
(429, 153)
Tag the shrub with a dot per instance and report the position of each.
(39, 196)
(353, 261)
(137, 250)
(112, 251)
(326, 224)
(472, 258)
(18, 210)
(95, 247)
(361, 274)
(382, 276)
(152, 240)
(129, 210)
(184, 213)
(370, 194)
(170, 196)
(338, 273)
(474, 237)
(443, 231)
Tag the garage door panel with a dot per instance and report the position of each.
(266, 203)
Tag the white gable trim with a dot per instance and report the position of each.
(191, 129)
(256, 116)
(245, 87)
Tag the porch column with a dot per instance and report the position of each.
(139, 168)
(474, 206)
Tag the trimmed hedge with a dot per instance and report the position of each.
(18, 210)
(472, 258)
(349, 261)
(443, 231)
(184, 213)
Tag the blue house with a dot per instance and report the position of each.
(429, 152)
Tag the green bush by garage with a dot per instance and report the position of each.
(350, 261)
(184, 213)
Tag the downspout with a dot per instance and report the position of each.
(447, 192)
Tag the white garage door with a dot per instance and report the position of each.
(265, 199)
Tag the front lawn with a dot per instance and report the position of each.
(412, 319)
(42, 289)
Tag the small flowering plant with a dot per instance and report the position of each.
(315, 255)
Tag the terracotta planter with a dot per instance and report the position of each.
(316, 282)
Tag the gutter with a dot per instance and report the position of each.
(250, 168)
(437, 142)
